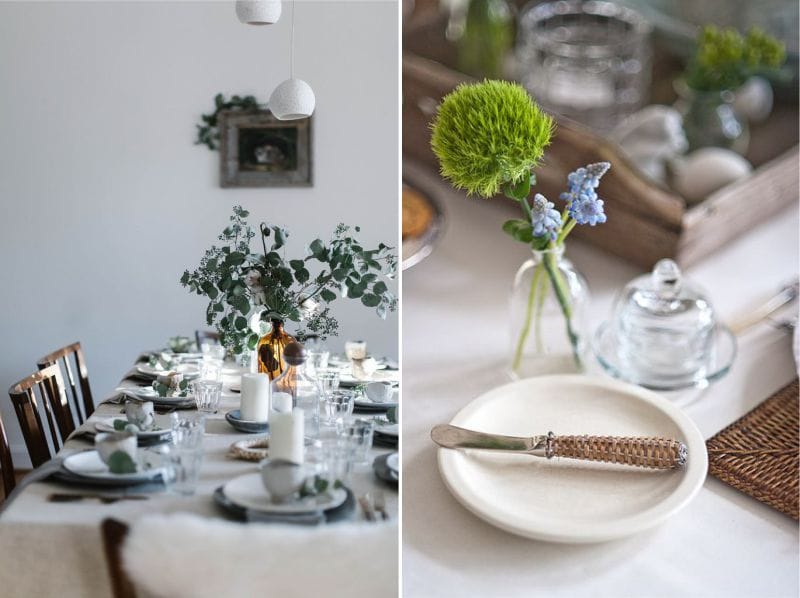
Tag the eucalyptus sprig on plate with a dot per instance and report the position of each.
(244, 285)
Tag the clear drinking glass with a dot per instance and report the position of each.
(337, 407)
(316, 361)
(213, 358)
(589, 61)
(207, 394)
(327, 380)
(358, 436)
(185, 452)
(330, 456)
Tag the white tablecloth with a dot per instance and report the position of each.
(455, 339)
(54, 549)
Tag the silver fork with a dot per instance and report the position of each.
(380, 504)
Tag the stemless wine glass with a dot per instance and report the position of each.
(185, 452)
(207, 395)
(358, 434)
(337, 407)
(589, 61)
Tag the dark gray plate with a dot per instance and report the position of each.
(234, 418)
(341, 513)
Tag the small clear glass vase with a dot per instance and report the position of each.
(709, 119)
(549, 332)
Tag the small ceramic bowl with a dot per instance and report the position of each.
(282, 478)
(108, 443)
(379, 392)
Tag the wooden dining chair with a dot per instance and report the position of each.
(28, 406)
(71, 361)
(6, 464)
(114, 533)
(202, 336)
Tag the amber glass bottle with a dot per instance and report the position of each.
(270, 350)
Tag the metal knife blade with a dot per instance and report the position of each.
(453, 437)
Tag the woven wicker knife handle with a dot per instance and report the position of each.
(655, 453)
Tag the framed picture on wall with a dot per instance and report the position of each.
(258, 150)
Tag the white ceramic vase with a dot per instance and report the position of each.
(258, 12)
(291, 100)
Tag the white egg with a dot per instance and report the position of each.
(754, 99)
(706, 170)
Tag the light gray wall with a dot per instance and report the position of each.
(104, 199)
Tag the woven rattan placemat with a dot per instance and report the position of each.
(759, 454)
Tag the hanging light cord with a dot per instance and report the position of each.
(291, 45)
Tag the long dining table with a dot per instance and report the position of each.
(55, 548)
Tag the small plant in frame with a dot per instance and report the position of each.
(256, 149)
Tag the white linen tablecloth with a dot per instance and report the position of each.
(455, 343)
(55, 549)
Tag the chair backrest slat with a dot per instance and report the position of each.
(6, 463)
(27, 407)
(77, 378)
(205, 335)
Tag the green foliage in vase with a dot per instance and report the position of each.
(724, 59)
(208, 131)
(487, 39)
(243, 285)
(489, 135)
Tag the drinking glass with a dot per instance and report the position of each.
(337, 407)
(327, 380)
(213, 358)
(185, 453)
(358, 437)
(329, 455)
(589, 61)
(316, 361)
(207, 394)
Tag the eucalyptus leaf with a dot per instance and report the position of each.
(120, 462)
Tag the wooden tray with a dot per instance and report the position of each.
(646, 222)
(760, 453)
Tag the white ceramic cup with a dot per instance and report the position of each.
(379, 392)
(108, 443)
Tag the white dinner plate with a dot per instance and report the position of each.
(248, 491)
(565, 500)
(107, 425)
(393, 462)
(89, 465)
(189, 370)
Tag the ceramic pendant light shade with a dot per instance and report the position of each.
(258, 12)
(293, 99)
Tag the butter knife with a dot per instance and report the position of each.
(651, 452)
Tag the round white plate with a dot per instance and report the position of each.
(247, 491)
(565, 500)
(107, 425)
(89, 465)
(189, 370)
(393, 462)
(388, 429)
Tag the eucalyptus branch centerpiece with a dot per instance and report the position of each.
(489, 137)
(250, 292)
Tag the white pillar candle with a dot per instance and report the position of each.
(282, 401)
(286, 435)
(255, 397)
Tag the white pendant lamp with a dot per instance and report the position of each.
(293, 99)
(258, 12)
